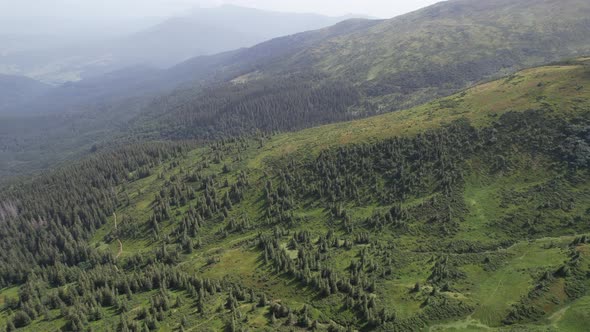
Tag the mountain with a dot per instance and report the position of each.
(397, 63)
(208, 31)
(466, 213)
(149, 81)
(203, 31)
(15, 90)
(76, 117)
(354, 69)
(448, 45)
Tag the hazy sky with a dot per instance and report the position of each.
(143, 8)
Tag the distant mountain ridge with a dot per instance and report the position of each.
(145, 81)
(204, 31)
(350, 70)
(389, 64)
(451, 43)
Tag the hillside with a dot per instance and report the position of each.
(103, 111)
(73, 53)
(453, 43)
(354, 69)
(380, 67)
(466, 213)
(208, 31)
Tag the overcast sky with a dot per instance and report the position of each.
(145, 8)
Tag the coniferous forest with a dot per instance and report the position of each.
(443, 214)
(428, 172)
(351, 70)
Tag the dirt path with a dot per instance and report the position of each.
(469, 323)
(120, 248)
(204, 322)
(558, 315)
(118, 240)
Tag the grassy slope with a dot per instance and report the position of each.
(564, 88)
(486, 25)
(395, 64)
(490, 38)
(404, 61)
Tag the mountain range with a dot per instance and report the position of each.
(430, 172)
(353, 69)
(203, 31)
(466, 213)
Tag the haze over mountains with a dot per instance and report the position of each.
(69, 56)
(393, 64)
(57, 49)
(349, 70)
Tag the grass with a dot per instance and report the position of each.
(480, 104)
(241, 263)
(490, 289)
(8, 293)
(496, 291)
(574, 317)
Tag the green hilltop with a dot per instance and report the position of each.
(360, 68)
(561, 87)
(436, 50)
(468, 213)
